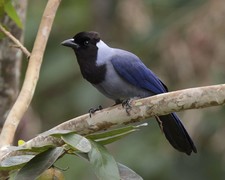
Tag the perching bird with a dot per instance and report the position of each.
(121, 75)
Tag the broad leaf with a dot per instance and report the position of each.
(103, 163)
(78, 142)
(14, 162)
(39, 164)
(127, 173)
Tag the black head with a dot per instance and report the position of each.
(84, 45)
(83, 41)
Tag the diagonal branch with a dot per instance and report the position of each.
(193, 98)
(32, 74)
(15, 40)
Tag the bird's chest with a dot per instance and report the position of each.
(92, 73)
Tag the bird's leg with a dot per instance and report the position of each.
(93, 110)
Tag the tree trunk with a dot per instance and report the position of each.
(10, 62)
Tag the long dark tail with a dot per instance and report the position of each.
(176, 134)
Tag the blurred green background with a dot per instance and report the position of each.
(182, 41)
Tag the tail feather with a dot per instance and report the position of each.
(176, 134)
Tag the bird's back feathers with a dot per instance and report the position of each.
(131, 68)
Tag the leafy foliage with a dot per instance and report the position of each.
(35, 160)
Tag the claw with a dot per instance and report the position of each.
(126, 104)
(93, 110)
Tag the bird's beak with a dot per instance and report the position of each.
(70, 43)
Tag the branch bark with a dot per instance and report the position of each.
(32, 74)
(193, 98)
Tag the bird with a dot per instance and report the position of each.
(121, 75)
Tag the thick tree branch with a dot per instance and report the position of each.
(15, 40)
(32, 74)
(162, 104)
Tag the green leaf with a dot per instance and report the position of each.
(14, 162)
(11, 12)
(103, 162)
(39, 164)
(110, 136)
(127, 173)
(77, 141)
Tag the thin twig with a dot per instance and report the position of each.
(16, 41)
(32, 74)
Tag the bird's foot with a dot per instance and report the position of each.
(127, 105)
(93, 110)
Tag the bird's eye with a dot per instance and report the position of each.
(86, 43)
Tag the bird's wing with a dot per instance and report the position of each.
(131, 68)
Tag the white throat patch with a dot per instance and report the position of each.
(104, 53)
